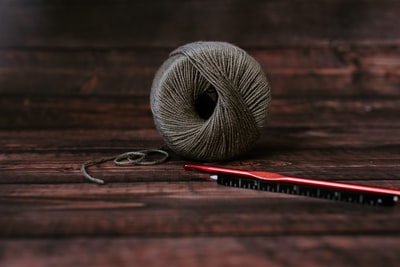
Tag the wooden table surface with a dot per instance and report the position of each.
(79, 90)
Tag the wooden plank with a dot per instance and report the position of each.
(78, 140)
(325, 250)
(183, 209)
(134, 112)
(53, 165)
(89, 195)
(76, 112)
(302, 139)
(337, 71)
(157, 23)
(83, 72)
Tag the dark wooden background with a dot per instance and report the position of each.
(75, 78)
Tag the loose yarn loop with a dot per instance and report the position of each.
(142, 157)
(241, 108)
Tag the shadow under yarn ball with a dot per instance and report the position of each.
(210, 100)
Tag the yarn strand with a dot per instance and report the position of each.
(141, 157)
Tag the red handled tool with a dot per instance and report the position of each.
(275, 182)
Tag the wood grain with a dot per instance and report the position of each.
(134, 112)
(331, 71)
(31, 23)
(75, 79)
(326, 250)
(182, 209)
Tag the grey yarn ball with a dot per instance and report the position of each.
(210, 100)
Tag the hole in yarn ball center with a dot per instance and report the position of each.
(206, 102)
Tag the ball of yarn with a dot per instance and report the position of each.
(210, 100)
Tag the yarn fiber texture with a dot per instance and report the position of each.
(223, 81)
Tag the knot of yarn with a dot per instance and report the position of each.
(209, 101)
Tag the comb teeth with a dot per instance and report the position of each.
(373, 199)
